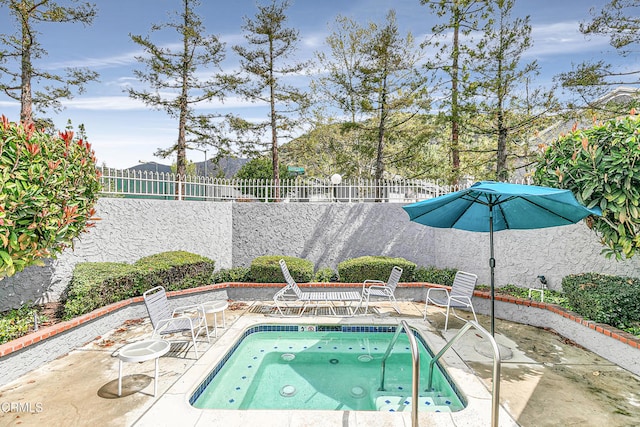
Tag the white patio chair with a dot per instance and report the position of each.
(379, 288)
(284, 298)
(459, 296)
(186, 319)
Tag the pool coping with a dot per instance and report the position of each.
(173, 406)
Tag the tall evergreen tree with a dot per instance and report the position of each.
(373, 76)
(508, 111)
(19, 74)
(173, 75)
(391, 83)
(460, 18)
(264, 63)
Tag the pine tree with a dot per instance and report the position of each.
(175, 85)
(264, 63)
(451, 62)
(19, 52)
(508, 110)
(374, 78)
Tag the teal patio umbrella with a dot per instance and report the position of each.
(489, 206)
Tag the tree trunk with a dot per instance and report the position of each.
(381, 129)
(274, 130)
(26, 100)
(455, 117)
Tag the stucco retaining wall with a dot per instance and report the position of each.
(233, 234)
(128, 230)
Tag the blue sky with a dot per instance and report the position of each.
(124, 131)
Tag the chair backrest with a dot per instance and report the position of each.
(290, 282)
(155, 299)
(394, 278)
(463, 284)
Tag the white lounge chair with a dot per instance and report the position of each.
(186, 319)
(284, 297)
(379, 288)
(459, 296)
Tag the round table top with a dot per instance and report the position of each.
(143, 350)
(215, 306)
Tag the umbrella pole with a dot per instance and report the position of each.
(492, 264)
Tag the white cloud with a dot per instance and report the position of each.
(562, 38)
(124, 59)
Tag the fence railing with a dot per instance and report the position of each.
(168, 186)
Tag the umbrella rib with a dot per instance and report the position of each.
(548, 210)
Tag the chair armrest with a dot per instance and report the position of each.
(462, 299)
(189, 308)
(383, 288)
(369, 281)
(446, 292)
(166, 322)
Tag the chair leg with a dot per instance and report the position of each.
(195, 346)
(366, 305)
(446, 322)
(393, 301)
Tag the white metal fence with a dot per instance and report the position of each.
(158, 185)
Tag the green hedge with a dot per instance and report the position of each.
(235, 274)
(357, 270)
(435, 275)
(266, 269)
(96, 284)
(606, 299)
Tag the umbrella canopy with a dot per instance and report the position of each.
(489, 206)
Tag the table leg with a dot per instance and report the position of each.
(155, 383)
(215, 324)
(119, 378)
(224, 321)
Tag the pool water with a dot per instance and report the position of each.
(322, 368)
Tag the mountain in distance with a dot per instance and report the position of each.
(228, 166)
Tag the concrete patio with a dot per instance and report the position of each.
(548, 380)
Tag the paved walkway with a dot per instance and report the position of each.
(547, 381)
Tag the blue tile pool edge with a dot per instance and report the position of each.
(317, 328)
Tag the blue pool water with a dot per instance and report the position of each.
(322, 367)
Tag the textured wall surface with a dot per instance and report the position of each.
(129, 230)
(233, 234)
(329, 233)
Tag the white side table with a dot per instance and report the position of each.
(215, 307)
(142, 351)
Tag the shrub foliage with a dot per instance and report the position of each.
(601, 166)
(48, 188)
(356, 270)
(266, 269)
(435, 275)
(613, 300)
(96, 284)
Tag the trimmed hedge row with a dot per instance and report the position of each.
(439, 276)
(96, 284)
(606, 299)
(266, 269)
(357, 270)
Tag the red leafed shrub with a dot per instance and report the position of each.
(48, 188)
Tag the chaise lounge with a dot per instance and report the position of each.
(292, 296)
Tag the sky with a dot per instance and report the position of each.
(124, 132)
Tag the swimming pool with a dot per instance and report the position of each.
(322, 367)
